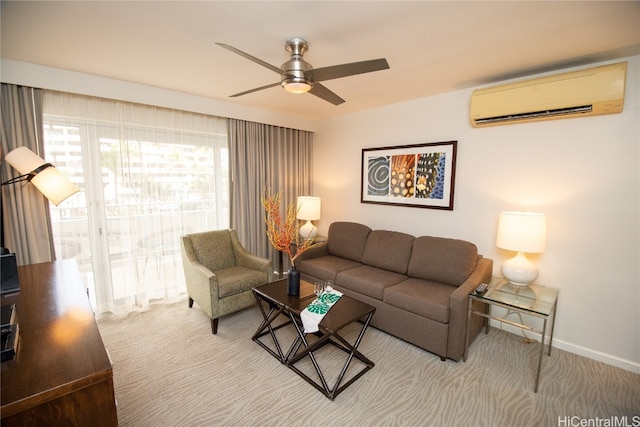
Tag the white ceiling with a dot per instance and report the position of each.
(431, 46)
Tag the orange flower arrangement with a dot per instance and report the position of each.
(283, 233)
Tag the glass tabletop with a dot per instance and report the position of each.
(533, 298)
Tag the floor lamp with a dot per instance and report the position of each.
(54, 185)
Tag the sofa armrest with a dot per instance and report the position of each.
(315, 251)
(459, 305)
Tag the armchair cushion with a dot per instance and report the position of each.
(235, 280)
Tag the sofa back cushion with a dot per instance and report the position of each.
(390, 250)
(443, 260)
(347, 240)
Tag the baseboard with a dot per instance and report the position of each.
(609, 359)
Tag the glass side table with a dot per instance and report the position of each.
(535, 300)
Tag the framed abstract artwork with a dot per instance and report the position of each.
(420, 175)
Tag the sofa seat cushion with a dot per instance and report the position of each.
(442, 260)
(235, 280)
(389, 250)
(326, 267)
(425, 298)
(367, 280)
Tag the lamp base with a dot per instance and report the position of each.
(308, 230)
(519, 271)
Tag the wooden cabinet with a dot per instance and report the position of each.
(61, 374)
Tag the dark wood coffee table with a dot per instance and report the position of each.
(280, 310)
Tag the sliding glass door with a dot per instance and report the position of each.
(148, 176)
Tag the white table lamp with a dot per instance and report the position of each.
(308, 210)
(521, 232)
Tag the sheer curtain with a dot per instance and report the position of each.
(148, 175)
(271, 157)
(25, 211)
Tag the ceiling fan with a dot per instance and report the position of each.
(298, 76)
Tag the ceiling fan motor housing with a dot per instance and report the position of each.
(294, 71)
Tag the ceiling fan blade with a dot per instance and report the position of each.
(251, 58)
(344, 70)
(254, 90)
(324, 93)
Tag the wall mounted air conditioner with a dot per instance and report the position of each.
(588, 92)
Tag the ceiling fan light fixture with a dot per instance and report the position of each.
(296, 86)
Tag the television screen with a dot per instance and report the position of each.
(9, 274)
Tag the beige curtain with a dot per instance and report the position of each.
(264, 156)
(26, 223)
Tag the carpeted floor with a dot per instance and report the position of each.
(169, 370)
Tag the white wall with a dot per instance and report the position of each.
(582, 172)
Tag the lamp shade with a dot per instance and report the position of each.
(54, 185)
(308, 208)
(522, 231)
(24, 160)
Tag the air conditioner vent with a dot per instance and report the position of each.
(537, 114)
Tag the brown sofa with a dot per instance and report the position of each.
(419, 285)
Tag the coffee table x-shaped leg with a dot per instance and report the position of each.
(267, 327)
(328, 336)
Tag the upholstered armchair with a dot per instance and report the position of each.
(220, 273)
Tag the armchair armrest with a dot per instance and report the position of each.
(246, 259)
(199, 273)
(201, 282)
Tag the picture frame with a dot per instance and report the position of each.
(419, 175)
